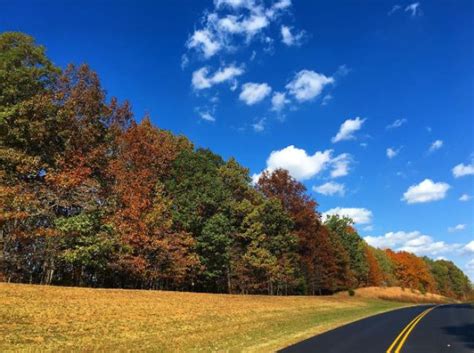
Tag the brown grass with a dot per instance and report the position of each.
(59, 319)
(398, 294)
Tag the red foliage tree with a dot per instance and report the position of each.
(316, 253)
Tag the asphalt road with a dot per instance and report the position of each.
(420, 329)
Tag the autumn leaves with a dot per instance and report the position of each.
(89, 196)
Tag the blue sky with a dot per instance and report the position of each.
(369, 104)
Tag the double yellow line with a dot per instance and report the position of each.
(402, 337)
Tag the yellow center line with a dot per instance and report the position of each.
(406, 331)
(402, 342)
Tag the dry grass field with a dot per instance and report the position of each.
(60, 319)
(398, 294)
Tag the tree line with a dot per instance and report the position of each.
(91, 197)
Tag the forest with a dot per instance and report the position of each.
(90, 196)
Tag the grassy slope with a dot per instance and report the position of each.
(55, 319)
(399, 294)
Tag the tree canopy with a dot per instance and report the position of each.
(89, 196)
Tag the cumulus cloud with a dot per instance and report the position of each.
(469, 247)
(347, 129)
(436, 145)
(253, 93)
(279, 101)
(391, 152)
(340, 165)
(300, 165)
(457, 228)
(249, 26)
(307, 85)
(464, 197)
(358, 215)
(232, 23)
(303, 166)
(234, 4)
(289, 38)
(463, 169)
(201, 78)
(414, 9)
(330, 188)
(396, 124)
(278, 6)
(205, 42)
(426, 191)
(414, 242)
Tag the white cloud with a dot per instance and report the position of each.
(277, 8)
(307, 85)
(469, 267)
(279, 101)
(300, 165)
(394, 9)
(413, 8)
(396, 124)
(457, 228)
(230, 21)
(426, 191)
(201, 78)
(391, 152)
(235, 4)
(303, 166)
(226, 73)
(259, 126)
(340, 165)
(358, 215)
(464, 197)
(289, 38)
(463, 169)
(326, 99)
(330, 188)
(207, 116)
(469, 247)
(342, 71)
(256, 177)
(184, 61)
(205, 42)
(347, 129)
(248, 26)
(253, 93)
(281, 4)
(414, 242)
(436, 145)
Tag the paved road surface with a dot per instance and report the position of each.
(420, 329)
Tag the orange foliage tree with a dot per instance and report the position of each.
(154, 255)
(375, 275)
(411, 271)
